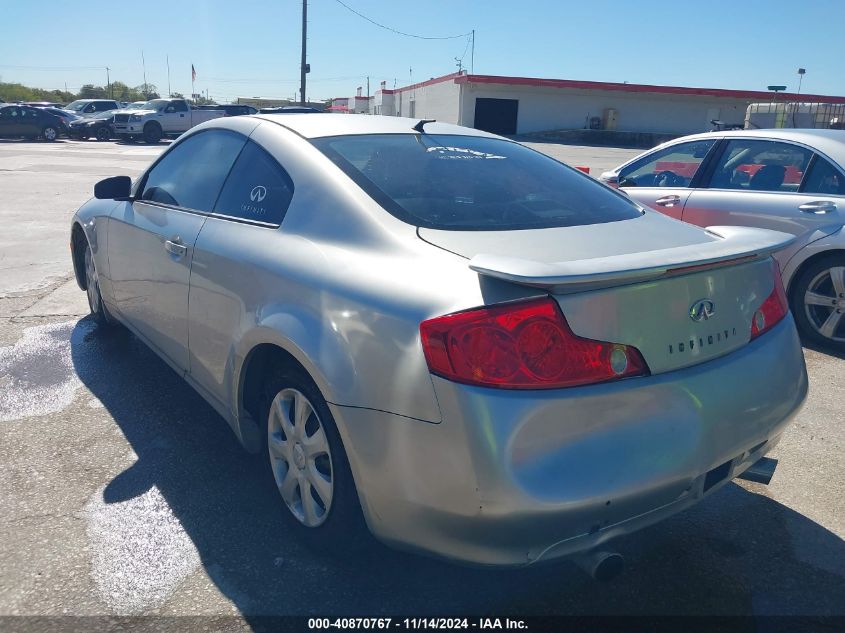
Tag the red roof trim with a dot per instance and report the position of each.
(754, 95)
(430, 82)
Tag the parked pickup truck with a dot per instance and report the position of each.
(159, 118)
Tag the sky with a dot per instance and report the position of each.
(252, 47)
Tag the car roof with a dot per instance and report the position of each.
(319, 124)
(828, 142)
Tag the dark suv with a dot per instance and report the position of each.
(18, 121)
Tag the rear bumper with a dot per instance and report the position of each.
(511, 478)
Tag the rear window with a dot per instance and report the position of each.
(471, 183)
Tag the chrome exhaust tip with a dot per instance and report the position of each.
(603, 566)
(760, 471)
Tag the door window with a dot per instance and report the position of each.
(673, 166)
(192, 173)
(760, 165)
(823, 178)
(257, 189)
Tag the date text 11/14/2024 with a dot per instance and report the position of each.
(416, 623)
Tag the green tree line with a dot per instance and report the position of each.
(118, 90)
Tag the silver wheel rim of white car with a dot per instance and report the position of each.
(92, 286)
(824, 303)
(300, 457)
(50, 134)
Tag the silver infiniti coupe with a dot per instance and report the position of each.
(479, 351)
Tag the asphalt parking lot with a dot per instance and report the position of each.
(122, 492)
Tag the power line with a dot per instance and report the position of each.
(398, 32)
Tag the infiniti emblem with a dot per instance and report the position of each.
(702, 310)
(258, 193)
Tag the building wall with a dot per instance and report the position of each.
(439, 101)
(543, 109)
(382, 103)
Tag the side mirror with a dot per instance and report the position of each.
(116, 188)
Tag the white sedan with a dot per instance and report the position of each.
(788, 180)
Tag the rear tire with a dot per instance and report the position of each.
(103, 133)
(817, 300)
(325, 513)
(152, 133)
(49, 133)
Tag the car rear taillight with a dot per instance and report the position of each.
(522, 345)
(773, 309)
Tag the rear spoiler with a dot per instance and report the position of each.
(733, 244)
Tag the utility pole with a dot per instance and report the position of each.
(168, 76)
(108, 83)
(144, 67)
(472, 55)
(368, 86)
(303, 68)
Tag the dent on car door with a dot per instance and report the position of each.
(769, 184)
(662, 179)
(151, 240)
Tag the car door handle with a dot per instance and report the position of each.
(668, 201)
(819, 206)
(175, 247)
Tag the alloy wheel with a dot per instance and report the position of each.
(824, 303)
(93, 286)
(300, 457)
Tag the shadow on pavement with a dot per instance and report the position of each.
(737, 553)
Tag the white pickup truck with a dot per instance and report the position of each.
(159, 118)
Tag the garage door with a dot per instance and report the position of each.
(496, 115)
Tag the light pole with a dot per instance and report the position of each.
(304, 68)
(801, 73)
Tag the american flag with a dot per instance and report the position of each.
(193, 73)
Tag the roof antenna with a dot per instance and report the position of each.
(419, 126)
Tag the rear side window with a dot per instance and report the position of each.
(673, 166)
(760, 165)
(472, 183)
(257, 189)
(192, 173)
(823, 178)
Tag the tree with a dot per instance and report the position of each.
(16, 92)
(177, 95)
(146, 92)
(90, 91)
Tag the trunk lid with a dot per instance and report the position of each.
(638, 282)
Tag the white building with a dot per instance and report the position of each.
(358, 104)
(518, 105)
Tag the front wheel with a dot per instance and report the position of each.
(152, 133)
(49, 133)
(308, 462)
(92, 286)
(103, 133)
(818, 302)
